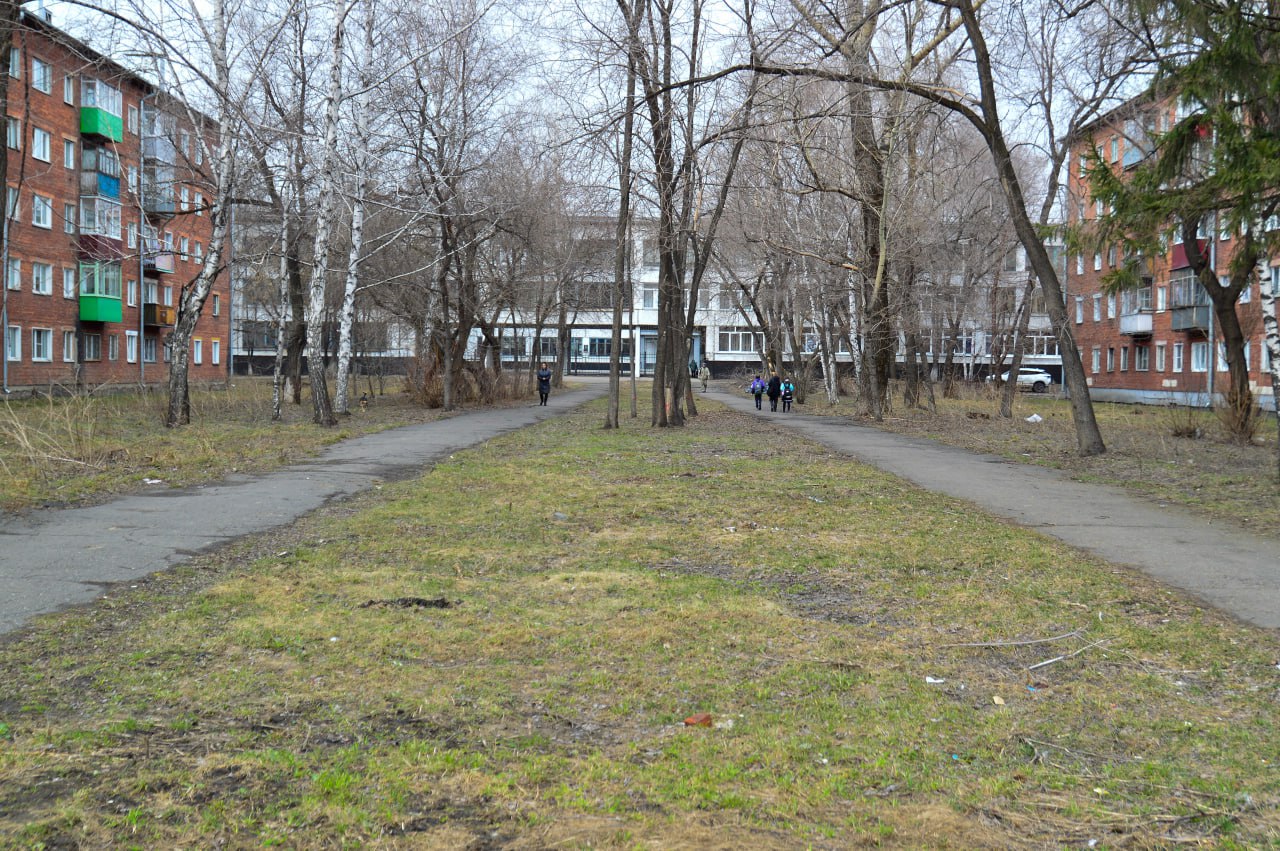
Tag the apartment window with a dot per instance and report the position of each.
(1177, 357)
(1115, 149)
(1111, 359)
(92, 347)
(12, 202)
(113, 347)
(1079, 264)
(100, 216)
(197, 351)
(1111, 256)
(1160, 353)
(131, 234)
(14, 279)
(133, 179)
(98, 278)
(41, 279)
(168, 296)
(42, 211)
(42, 344)
(68, 153)
(41, 75)
(98, 95)
(149, 349)
(133, 119)
(1246, 294)
(199, 203)
(1124, 358)
(131, 290)
(1222, 357)
(184, 143)
(1141, 358)
(1097, 209)
(15, 63)
(1096, 360)
(1079, 309)
(1162, 299)
(69, 346)
(184, 246)
(68, 283)
(150, 292)
(1097, 307)
(184, 196)
(1275, 280)
(131, 346)
(1097, 262)
(1199, 357)
(738, 340)
(168, 241)
(199, 154)
(198, 254)
(69, 89)
(215, 351)
(217, 304)
(649, 296)
(13, 343)
(41, 145)
(15, 133)
(1111, 306)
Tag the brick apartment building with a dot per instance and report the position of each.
(1157, 344)
(106, 222)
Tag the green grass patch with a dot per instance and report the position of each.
(601, 587)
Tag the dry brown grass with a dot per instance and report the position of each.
(1171, 455)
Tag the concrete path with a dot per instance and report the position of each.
(51, 559)
(1225, 568)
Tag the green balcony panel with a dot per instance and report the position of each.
(99, 122)
(100, 308)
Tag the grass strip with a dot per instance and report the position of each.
(503, 653)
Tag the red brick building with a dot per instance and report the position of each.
(106, 198)
(1157, 344)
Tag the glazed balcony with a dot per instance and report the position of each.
(157, 262)
(100, 308)
(1135, 324)
(1196, 317)
(95, 121)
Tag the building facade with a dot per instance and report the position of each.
(1157, 344)
(106, 222)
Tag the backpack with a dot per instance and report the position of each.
(757, 385)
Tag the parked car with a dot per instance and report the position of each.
(1031, 378)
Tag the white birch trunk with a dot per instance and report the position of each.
(324, 227)
(346, 315)
(282, 321)
(193, 299)
(1271, 340)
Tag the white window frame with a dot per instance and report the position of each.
(13, 343)
(1177, 361)
(1111, 305)
(1096, 360)
(131, 346)
(69, 283)
(215, 352)
(1079, 309)
(131, 292)
(197, 351)
(41, 75)
(45, 334)
(69, 214)
(41, 144)
(41, 278)
(13, 275)
(69, 89)
(68, 346)
(1161, 360)
(42, 212)
(1097, 307)
(1200, 357)
(217, 305)
(69, 153)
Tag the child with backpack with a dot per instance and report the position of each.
(757, 389)
(788, 393)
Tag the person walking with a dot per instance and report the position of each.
(788, 393)
(773, 391)
(705, 375)
(757, 389)
(544, 384)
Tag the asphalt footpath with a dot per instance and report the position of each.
(56, 558)
(1221, 566)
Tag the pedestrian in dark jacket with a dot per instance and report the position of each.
(774, 391)
(788, 393)
(544, 384)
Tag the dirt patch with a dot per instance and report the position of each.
(409, 603)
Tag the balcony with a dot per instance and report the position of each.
(157, 262)
(159, 314)
(1135, 324)
(1191, 318)
(159, 201)
(95, 121)
(100, 308)
(97, 183)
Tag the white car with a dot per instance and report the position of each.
(1031, 378)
